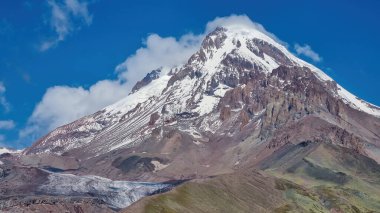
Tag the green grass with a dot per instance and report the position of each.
(329, 179)
(315, 184)
(226, 193)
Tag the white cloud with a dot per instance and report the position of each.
(169, 51)
(158, 52)
(3, 101)
(7, 124)
(240, 21)
(66, 17)
(306, 50)
(63, 104)
(79, 9)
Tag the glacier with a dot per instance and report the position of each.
(117, 194)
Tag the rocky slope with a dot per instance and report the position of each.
(237, 104)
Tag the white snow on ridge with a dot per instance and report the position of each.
(357, 103)
(154, 88)
(243, 35)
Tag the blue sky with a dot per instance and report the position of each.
(77, 45)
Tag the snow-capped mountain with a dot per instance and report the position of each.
(242, 103)
(228, 57)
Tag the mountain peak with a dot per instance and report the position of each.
(253, 44)
(231, 60)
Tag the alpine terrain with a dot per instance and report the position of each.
(243, 126)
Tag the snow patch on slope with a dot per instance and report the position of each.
(207, 104)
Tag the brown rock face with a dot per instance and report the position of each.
(287, 97)
(153, 118)
(268, 49)
(244, 118)
(225, 113)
